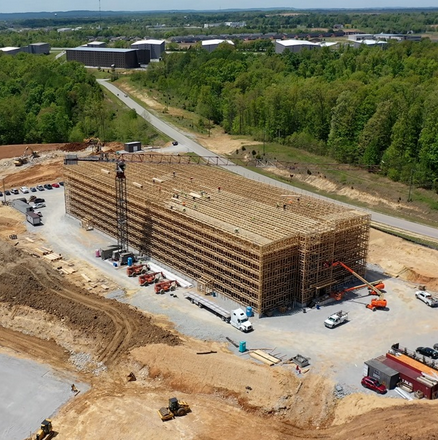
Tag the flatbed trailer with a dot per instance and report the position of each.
(202, 302)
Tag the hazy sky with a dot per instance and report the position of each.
(142, 5)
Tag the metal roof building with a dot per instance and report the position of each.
(156, 47)
(211, 45)
(294, 45)
(109, 57)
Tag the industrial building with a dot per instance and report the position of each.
(109, 57)
(34, 48)
(294, 45)
(155, 47)
(254, 243)
(211, 45)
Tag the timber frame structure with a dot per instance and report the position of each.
(257, 244)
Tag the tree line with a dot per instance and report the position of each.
(46, 101)
(364, 106)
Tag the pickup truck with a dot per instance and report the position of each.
(336, 319)
(427, 298)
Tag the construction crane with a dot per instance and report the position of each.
(376, 303)
(121, 206)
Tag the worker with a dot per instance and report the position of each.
(218, 189)
(284, 207)
(174, 174)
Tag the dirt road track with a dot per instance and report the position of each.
(35, 348)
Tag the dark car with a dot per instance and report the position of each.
(40, 187)
(38, 200)
(174, 143)
(7, 193)
(428, 352)
(48, 186)
(373, 384)
(32, 189)
(61, 183)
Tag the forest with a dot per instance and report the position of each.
(43, 101)
(363, 106)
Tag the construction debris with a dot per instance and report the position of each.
(131, 377)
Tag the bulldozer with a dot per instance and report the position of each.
(46, 431)
(164, 286)
(176, 408)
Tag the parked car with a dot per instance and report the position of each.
(428, 352)
(7, 193)
(38, 200)
(61, 183)
(48, 186)
(40, 187)
(174, 143)
(38, 205)
(55, 185)
(14, 191)
(373, 384)
(32, 189)
(1, 194)
(24, 190)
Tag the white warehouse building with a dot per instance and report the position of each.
(211, 45)
(156, 47)
(294, 45)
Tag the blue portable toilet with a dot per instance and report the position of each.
(242, 346)
(249, 312)
(129, 261)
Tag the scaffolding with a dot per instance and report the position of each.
(257, 244)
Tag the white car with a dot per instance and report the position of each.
(427, 298)
(38, 205)
(24, 190)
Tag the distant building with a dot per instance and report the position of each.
(109, 57)
(155, 47)
(211, 45)
(96, 44)
(34, 48)
(294, 45)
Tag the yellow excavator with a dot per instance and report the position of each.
(28, 153)
(46, 431)
(176, 408)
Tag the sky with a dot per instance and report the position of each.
(142, 5)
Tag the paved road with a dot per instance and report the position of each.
(190, 145)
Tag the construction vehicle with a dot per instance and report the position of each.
(28, 153)
(376, 303)
(237, 318)
(46, 431)
(339, 295)
(336, 319)
(164, 286)
(149, 278)
(176, 408)
(95, 143)
(137, 269)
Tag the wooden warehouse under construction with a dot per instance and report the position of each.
(256, 244)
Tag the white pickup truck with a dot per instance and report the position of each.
(427, 298)
(336, 319)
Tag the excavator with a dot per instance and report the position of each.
(28, 153)
(96, 143)
(373, 288)
(46, 431)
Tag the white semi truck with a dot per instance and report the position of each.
(237, 318)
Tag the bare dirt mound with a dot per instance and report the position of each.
(112, 327)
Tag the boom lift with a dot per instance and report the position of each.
(376, 303)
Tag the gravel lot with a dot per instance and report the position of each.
(339, 353)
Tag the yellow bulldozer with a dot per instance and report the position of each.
(176, 408)
(46, 431)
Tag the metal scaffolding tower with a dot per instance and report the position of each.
(121, 207)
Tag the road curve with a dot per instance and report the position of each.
(193, 146)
